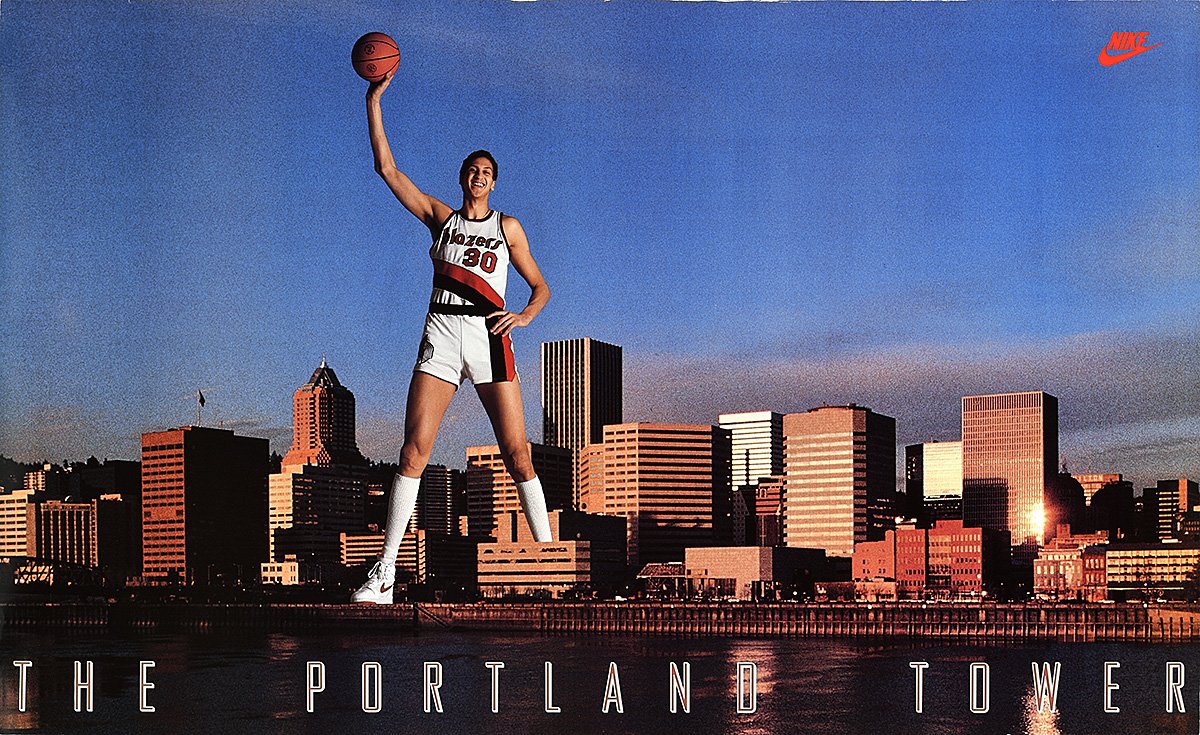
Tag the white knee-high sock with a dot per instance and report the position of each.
(533, 502)
(400, 510)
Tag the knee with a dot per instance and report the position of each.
(413, 458)
(519, 463)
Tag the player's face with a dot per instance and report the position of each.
(479, 178)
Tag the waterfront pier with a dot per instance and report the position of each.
(949, 622)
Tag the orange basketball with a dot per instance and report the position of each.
(374, 56)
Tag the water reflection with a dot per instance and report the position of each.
(256, 683)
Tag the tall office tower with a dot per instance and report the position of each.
(1092, 483)
(589, 479)
(1174, 499)
(320, 490)
(435, 511)
(933, 480)
(840, 465)
(491, 490)
(1010, 455)
(63, 531)
(204, 503)
(14, 524)
(669, 480)
(581, 391)
(756, 439)
(323, 432)
(118, 484)
(49, 483)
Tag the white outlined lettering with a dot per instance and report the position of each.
(83, 685)
(612, 690)
(144, 686)
(22, 682)
(495, 667)
(681, 687)
(1045, 686)
(433, 683)
(980, 687)
(1110, 686)
(920, 667)
(1175, 685)
(550, 689)
(372, 686)
(314, 681)
(747, 687)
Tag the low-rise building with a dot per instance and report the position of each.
(946, 561)
(751, 572)
(587, 555)
(1151, 571)
(1061, 572)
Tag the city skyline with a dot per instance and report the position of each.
(986, 223)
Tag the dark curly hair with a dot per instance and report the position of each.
(480, 154)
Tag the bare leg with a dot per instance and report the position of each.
(428, 398)
(502, 401)
(503, 404)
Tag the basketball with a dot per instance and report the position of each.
(374, 56)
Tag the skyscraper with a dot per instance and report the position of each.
(1010, 455)
(756, 440)
(323, 424)
(840, 468)
(320, 489)
(1093, 482)
(581, 391)
(491, 490)
(1173, 499)
(669, 480)
(204, 501)
(933, 480)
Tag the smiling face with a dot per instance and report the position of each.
(478, 174)
(478, 177)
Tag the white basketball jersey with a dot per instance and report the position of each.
(470, 262)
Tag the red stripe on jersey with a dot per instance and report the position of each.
(470, 280)
(510, 367)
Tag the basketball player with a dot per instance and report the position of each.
(466, 336)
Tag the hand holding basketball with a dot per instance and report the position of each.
(374, 56)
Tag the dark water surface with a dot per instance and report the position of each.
(255, 682)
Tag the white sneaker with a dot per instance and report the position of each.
(378, 587)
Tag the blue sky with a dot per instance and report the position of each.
(769, 206)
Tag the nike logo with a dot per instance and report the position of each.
(1123, 45)
(385, 589)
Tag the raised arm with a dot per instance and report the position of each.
(523, 262)
(426, 208)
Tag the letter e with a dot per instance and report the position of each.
(1110, 686)
(144, 685)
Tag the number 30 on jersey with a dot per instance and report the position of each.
(485, 260)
